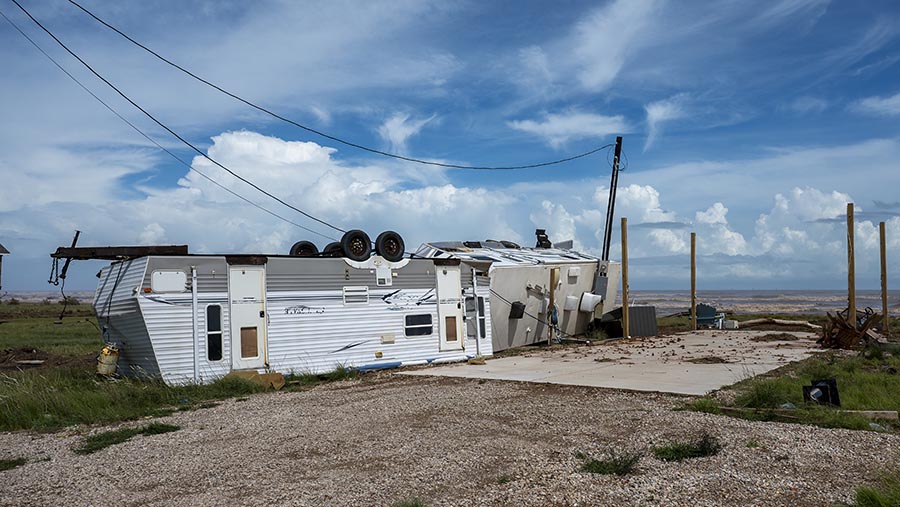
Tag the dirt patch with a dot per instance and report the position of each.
(30, 358)
(775, 337)
(707, 360)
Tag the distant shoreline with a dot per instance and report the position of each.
(667, 302)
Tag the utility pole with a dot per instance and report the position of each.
(626, 331)
(884, 291)
(611, 204)
(851, 269)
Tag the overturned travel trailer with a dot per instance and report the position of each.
(583, 287)
(195, 318)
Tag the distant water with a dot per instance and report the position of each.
(764, 301)
(668, 302)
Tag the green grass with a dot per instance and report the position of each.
(753, 443)
(706, 405)
(9, 464)
(699, 447)
(41, 310)
(307, 380)
(48, 400)
(94, 443)
(76, 336)
(885, 494)
(617, 463)
(863, 384)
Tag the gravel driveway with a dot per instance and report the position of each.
(446, 442)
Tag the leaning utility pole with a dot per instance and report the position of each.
(611, 205)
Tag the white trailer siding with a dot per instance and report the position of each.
(120, 319)
(311, 328)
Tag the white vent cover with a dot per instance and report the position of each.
(571, 303)
(356, 295)
(589, 302)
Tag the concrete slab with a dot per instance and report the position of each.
(692, 363)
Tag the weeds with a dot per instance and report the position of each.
(706, 405)
(700, 447)
(752, 444)
(54, 399)
(618, 463)
(9, 464)
(304, 380)
(103, 440)
(885, 494)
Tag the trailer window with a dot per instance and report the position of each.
(481, 323)
(214, 333)
(418, 325)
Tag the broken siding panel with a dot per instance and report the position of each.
(136, 357)
(168, 320)
(118, 286)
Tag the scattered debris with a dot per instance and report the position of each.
(840, 333)
(775, 337)
(706, 360)
(756, 322)
(788, 406)
(822, 392)
(267, 380)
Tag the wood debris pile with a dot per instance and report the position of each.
(840, 333)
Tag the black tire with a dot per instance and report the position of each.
(304, 249)
(333, 249)
(356, 245)
(390, 245)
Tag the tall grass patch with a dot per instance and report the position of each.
(9, 464)
(105, 439)
(615, 463)
(53, 399)
(884, 494)
(700, 446)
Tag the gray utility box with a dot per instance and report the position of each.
(641, 320)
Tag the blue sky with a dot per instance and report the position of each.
(751, 123)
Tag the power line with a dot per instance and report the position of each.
(139, 131)
(323, 134)
(161, 124)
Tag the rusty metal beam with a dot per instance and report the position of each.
(117, 252)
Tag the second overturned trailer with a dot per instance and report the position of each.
(523, 281)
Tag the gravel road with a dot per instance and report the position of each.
(447, 442)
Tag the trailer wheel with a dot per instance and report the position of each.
(333, 249)
(356, 245)
(390, 245)
(304, 249)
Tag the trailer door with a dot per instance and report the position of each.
(247, 294)
(450, 310)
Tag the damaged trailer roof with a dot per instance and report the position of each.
(500, 253)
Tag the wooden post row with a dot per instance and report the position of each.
(694, 281)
